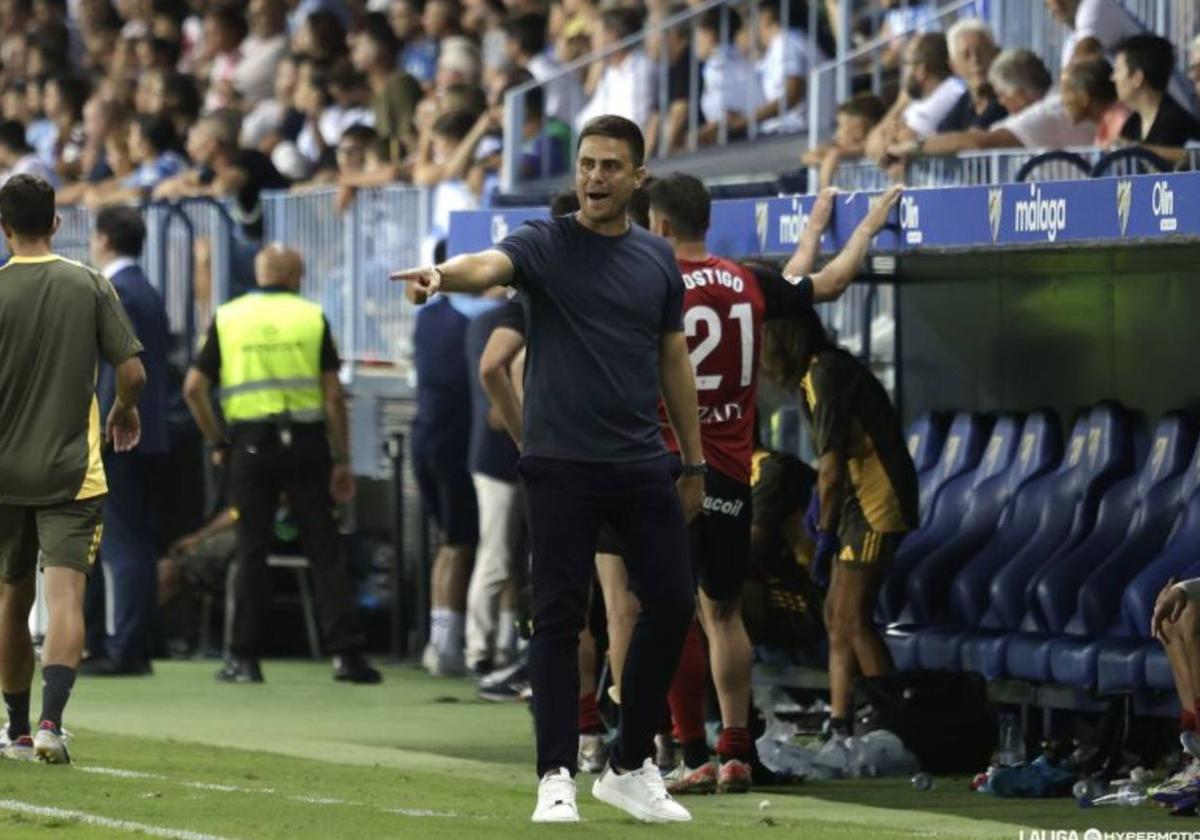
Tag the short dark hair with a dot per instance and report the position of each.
(159, 132)
(622, 21)
(711, 21)
(231, 18)
(868, 106)
(639, 203)
(930, 49)
(455, 125)
(12, 136)
(73, 91)
(124, 228)
(362, 134)
(1153, 55)
(376, 27)
(564, 203)
(618, 128)
(529, 31)
(1093, 77)
(685, 201)
(27, 205)
(169, 50)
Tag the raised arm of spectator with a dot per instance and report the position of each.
(495, 367)
(831, 281)
(956, 141)
(459, 162)
(805, 256)
(883, 134)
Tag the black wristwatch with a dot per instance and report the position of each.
(693, 470)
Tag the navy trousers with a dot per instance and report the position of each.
(566, 502)
(130, 564)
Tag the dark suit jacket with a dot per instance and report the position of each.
(149, 318)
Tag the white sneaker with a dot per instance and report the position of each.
(556, 798)
(593, 753)
(51, 746)
(18, 749)
(640, 793)
(429, 657)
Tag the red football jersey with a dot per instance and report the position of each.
(723, 309)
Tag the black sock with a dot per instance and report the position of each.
(839, 726)
(695, 753)
(56, 690)
(18, 714)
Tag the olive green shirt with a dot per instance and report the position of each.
(58, 318)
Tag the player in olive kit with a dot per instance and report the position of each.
(58, 318)
(725, 305)
(867, 489)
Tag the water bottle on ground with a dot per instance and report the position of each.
(1130, 796)
(1011, 749)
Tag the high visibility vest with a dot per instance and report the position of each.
(270, 358)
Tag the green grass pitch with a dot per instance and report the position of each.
(180, 755)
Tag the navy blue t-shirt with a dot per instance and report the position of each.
(493, 452)
(596, 309)
(442, 428)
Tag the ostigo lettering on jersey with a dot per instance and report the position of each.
(702, 277)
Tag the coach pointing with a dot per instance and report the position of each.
(604, 303)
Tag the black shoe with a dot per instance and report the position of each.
(354, 667)
(105, 667)
(239, 670)
(481, 669)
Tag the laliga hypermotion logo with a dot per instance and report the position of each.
(499, 227)
(1040, 215)
(762, 217)
(995, 208)
(1124, 202)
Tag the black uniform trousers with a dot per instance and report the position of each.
(565, 503)
(265, 460)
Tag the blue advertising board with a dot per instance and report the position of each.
(1052, 213)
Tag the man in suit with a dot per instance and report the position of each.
(119, 636)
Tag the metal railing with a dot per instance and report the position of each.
(978, 168)
(348, 255)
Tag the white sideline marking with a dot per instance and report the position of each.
(305, 799)
(120, 774)
(105, 822)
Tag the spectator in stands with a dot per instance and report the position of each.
(154, 53)
(972, 51)
(394, 93)
(783, 71)
(458, 63)
(625, 86)
(180, 101)
(1089, 95)
(224, 30)
(153, 147)
(100, 117)
(275, 119)
(729, 87)
(419, 52)
(676, 42)
(855, 119)
(931, 91)
(40, 130)
(1021, 82)
(322, 37)
(526, 46)
(1141, 73)
(65, 97)
(224, 170)
(262, 51)
(17, 156)
(302, 10)
(333, 102)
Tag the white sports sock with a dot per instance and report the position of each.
(452, 642)
(506, 636)
(439, 620)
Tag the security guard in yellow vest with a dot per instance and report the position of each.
(272, 357)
